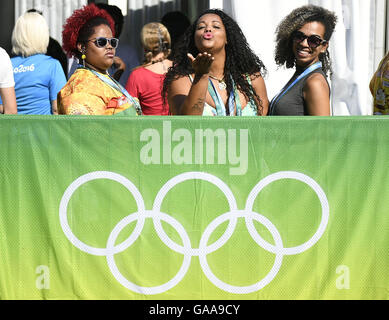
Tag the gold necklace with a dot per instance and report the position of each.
(222, 83)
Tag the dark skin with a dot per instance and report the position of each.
(316, 91)
(120, 66)
(98, 59)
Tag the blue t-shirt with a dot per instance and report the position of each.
(38, 79)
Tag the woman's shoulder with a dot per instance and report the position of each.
(37, 59)
(82, 73)
(151, 71)
(316, 82)
(42, 58)
(140, 72)
(84, 80)
(255, 78)
(51, 60)
(315, 78)
(3, 54)
(183, 80)
(138, 69)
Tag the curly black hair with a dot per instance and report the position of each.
(295, 20)
(241, 61)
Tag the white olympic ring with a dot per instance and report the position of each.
(148, 290)
(255, 287)
(63, 208)
(195, 176)
(186, 249)
(324, 206)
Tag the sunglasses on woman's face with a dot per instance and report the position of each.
(313, 41)
(101, 42)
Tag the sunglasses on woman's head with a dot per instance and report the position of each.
(101, 42)
(313, 41)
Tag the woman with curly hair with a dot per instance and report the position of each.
(302, 40)
(215, 73)
(146, 81)
(88, 34)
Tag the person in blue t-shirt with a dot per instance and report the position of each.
(38, 78)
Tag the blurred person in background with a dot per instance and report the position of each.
(38, 77)
(7, 84)
(176, 23)
(54, 50)
(379, 88)
(146, 82)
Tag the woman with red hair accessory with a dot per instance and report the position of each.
(89, 36)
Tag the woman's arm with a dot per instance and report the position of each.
(120, 66)
(259, 86)
(54, 109)
(317, 96)
(188, 99)
(9, 100)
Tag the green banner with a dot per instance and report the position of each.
(181, 208)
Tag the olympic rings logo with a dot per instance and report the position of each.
(186, 249)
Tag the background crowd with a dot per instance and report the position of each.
(206, 68)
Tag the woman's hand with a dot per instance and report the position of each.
(202, 63)
(120, 66)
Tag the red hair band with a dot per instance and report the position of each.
(77, 20)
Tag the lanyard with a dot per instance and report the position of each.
(116, 85)
(220, 109)
(277, 98)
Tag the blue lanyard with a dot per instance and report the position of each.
(277, 98)
(220, 109)
(116, 85)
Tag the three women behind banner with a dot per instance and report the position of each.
(213, 72)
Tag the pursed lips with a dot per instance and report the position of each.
(207, 36)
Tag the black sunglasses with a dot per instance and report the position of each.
(313, 41)
(101, 42)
